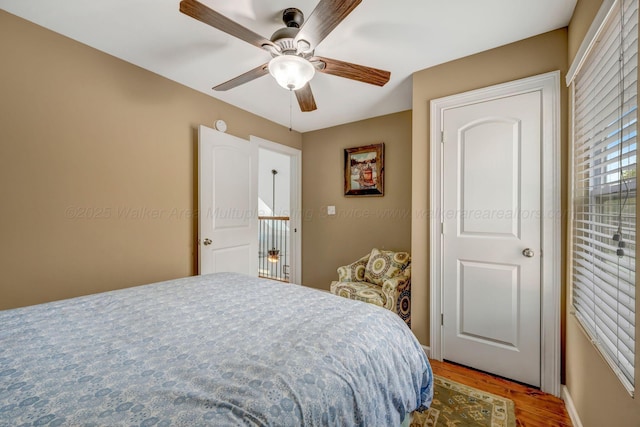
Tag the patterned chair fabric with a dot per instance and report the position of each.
(382, 278)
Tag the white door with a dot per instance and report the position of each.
(491, 236)
(228, 203)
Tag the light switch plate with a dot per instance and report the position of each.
(331, 210)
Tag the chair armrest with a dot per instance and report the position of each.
(394, 286)
(353, 272)
(397, 291)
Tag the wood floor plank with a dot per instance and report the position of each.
(533, 407)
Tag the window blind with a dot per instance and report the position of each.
(604, 94)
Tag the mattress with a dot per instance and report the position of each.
(222, 350)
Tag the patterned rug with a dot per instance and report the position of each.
(455, 404)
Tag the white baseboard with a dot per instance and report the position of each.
(571, 409)
(427, 350)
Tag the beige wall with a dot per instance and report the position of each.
(360, 223)
(97, 168)
(536, 55)
(598, 396)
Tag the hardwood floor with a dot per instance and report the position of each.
(533, 407)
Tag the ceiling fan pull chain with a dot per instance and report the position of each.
(290, 108)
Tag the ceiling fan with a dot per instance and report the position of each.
(293, 63)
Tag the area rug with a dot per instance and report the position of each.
(458, 405)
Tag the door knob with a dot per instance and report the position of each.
(528, 253)
(207, 242)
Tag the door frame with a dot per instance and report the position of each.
(551, 222)
(295, 197)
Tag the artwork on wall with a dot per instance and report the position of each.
(364, 170)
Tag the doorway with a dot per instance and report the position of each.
(279, 207)
(228, 200)
(495, 194)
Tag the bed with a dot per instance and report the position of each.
(222, 350)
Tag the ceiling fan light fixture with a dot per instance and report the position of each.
(292, 72)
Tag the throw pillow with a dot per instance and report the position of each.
(384, 265)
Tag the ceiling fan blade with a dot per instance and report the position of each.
(305, 99)
(203, 13)
(351, 71)
(244, 78)
(324, 18)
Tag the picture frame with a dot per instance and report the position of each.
(364, 170)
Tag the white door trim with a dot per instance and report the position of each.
(549, 85)
(295, 216)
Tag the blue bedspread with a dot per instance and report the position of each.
(219, 350)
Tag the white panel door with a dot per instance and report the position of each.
(228, 203)
(491, 236)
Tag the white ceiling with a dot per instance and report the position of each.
(399, 36)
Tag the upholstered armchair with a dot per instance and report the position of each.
(382, 278)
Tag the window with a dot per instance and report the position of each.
(604, 95)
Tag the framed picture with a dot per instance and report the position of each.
(364, 170)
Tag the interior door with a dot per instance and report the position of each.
(228, 203)
(491, 236)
